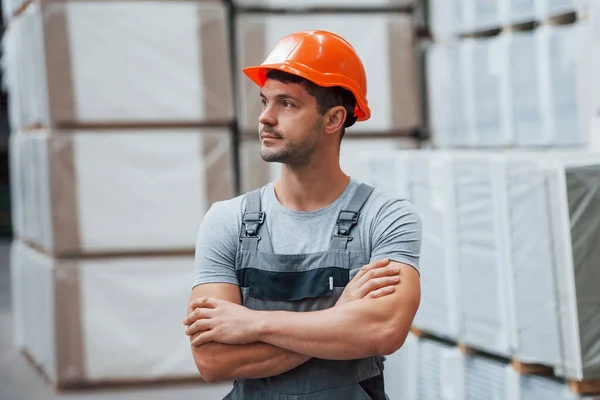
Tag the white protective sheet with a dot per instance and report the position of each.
(486, 96)
(118, 191)
(446, 95)
(440, 371)
(93, 316)
(446, 19)
(517, 11)
(293, 5)
(391, 66)
(160, 62)
(481, 257)
(431, 191)
(485, 379)
(548, 8)
(482, 14)
(400, 372)
(575, 207)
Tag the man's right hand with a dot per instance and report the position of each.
(373, 280)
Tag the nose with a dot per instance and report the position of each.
(268, 116)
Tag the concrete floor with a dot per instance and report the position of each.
(20, 381)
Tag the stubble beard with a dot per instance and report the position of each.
(294, 153)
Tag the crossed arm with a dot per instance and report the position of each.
(230, 341)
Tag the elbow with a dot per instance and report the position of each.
(208, 373)
(391, 340)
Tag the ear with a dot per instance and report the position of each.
(335, 119)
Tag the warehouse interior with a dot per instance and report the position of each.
(122, 122)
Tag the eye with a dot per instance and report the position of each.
(264, 102)
(288, 104)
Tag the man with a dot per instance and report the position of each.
(302, 286)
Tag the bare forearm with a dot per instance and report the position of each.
(354, 330)
(218, 361)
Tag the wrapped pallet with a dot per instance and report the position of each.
(485, 378)
(447, 103)
(487, 321)
(400, 372)
(560, 60)
(486, 94)
(307, 4)
(440, 371)
(163, 62)
(480, 15)
(384, 41)
(517, 11)
(432, 193)
(524, 116)
(446, 19)
(575, 214)
(532, 387)
(545, 9)
(91, 192)
(102, 320)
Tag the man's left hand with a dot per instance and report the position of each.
(220, 321)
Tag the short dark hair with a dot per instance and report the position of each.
(327, 97)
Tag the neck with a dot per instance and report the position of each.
(312, 187)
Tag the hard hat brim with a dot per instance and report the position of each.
(258, 74)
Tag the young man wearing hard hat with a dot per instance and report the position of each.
(303, 285)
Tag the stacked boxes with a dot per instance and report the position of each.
(391, 66)
(121, 116)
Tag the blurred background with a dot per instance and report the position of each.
(122, 121)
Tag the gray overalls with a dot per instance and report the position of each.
(304, 282)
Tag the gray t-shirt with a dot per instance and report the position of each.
(389, 228)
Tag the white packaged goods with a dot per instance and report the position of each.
(560, 60)
(103, 320)
(431, 191)
(575, 213)
(89, 192)
(391, 66)
(440, 371)
(481, 14)
(304, 4)
(400, 372)
(486, 93)
(10, 7)
(446, 18)
(485, 379)
(482, 266)
(549, 8)
(517, 11)
(447, 102)
(524, 81)
(160, 62)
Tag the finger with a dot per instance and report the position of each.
(384, 291)
(375, 264)
(391, 270)
(378, 283)
(202, 338)
(199, 313)
(198, 326)
(204, 302)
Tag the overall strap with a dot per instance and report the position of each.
(252, 221)
(349, 217)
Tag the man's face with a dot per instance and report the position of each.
(290, 127)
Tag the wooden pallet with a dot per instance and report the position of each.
(585, 387)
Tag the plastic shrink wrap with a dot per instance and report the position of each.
(485, 378)
(545, 9)
(440, 371)
(391, 66)
(431, 191)
(92, 316)
(400, 372)
(160, 62)
(575, 214)
(446, 19)
(90, 192)
(486, 95)
(307, 4)
(482, 14)
(517, 11)
(483, 273)
(446, 95)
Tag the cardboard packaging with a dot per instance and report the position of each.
(159, 63)
(391, 65)
(136, 191)
(104, 320)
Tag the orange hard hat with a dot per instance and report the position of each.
(321, 57)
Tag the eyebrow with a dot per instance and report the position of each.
(282, 96)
